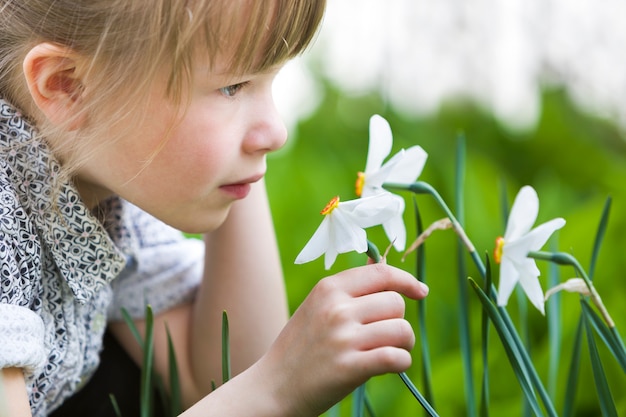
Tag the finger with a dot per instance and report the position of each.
(379, 306)
(394, 332)
(369, 279)
(383, 360)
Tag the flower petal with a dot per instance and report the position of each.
(395, 228)
(533, 240)
(345, 234)
(330, 257)
(375, 210)
(409, 167)
(509, 276)
(531, 286)
(317, 245)
(523, 213)
(380, 143)
(375, 179)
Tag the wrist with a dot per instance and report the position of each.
(250, 393)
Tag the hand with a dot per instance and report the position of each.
(348, 329)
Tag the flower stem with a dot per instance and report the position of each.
(374, 254)
(563, 258)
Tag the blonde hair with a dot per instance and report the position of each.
(129, 43)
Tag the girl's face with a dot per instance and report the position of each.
(209, 158)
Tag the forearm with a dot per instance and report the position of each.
(242, 277)
(13, 394)
(250, 393)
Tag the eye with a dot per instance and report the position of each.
(232, 90)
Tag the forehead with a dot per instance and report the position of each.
(244, 36)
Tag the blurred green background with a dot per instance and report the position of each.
(573, 160)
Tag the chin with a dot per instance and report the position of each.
(201, 224)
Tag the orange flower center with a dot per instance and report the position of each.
(497, 252)
(360, 182)
(332, 204)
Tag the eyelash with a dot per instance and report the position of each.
(232, 90)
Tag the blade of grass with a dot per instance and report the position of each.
(226, 372)
(463, 311)
(604, 219)
(116, 407)
(605, 334)
(484, 343)
(420, 273)
(554, 328)
(607, 405)
(358, 401)
(418, 396)
(369, 407)
(176, 406)
(374, 254)
(574, 371)
(146, 369)
(131, 325)
(510, 347)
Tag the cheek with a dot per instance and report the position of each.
(200, 151)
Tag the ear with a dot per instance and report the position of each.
(54, 83)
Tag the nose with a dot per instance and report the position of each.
(268, 132)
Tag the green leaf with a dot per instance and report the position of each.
(484, 343)
(358, 401)
(226, 372)
(146, 369)
(116, 407)
(607, 405)
(604, 219)
(574, 371)
(553, 315)
(176, 403)
(131, 325)
(420, 272)
(463, 311)
(368, 407)
(510, 348)
(608, 337)
(418, 396)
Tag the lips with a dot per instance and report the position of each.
(241, 188)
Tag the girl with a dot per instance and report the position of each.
(122, 123)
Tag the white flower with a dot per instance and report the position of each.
(511, 251)
(342, 229)
(403, 168)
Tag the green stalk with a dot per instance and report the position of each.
(563, 258)
(420, 273)
(147, 366)
(574, 372)
(484, 403)
(358, 401)
(374, 254)
(607, 404)
(226, 372)
(554, 331)
(464, 325)
(509, 347)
